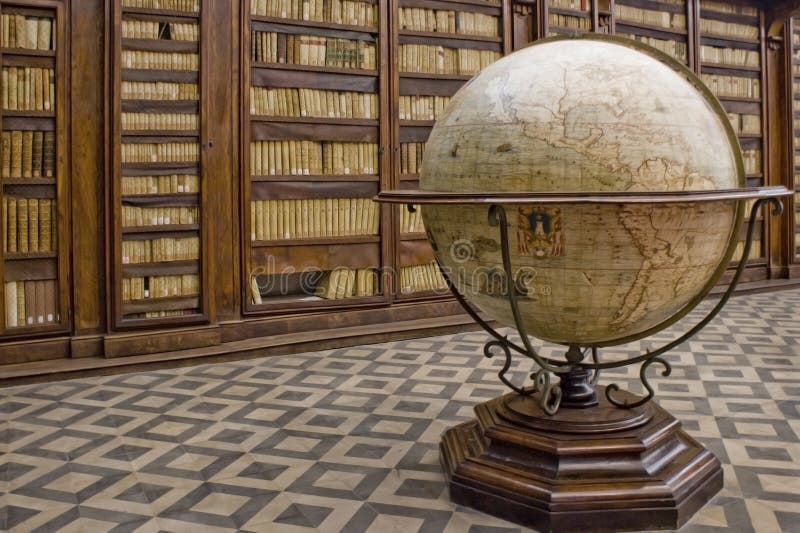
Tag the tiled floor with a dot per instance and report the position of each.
(346, 440)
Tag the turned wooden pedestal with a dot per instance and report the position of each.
(584, 469)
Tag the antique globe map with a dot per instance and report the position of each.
(584, 115)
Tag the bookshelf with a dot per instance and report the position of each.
(157, 161)
(730, 58)
(314, 139)
(662, 24)
(439, 46)
(35, 268)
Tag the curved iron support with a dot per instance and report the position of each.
(489, 354)
(613, 387)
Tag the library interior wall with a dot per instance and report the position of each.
(92, 323)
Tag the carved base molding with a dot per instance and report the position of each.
(594, 469)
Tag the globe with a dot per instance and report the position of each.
(585, 115)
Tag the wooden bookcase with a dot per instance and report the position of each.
(315, 141)
(731, 56)
(438, 46)
(662, 24)
(157, 160)
(35, 146)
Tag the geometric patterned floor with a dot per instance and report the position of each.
(346, 440)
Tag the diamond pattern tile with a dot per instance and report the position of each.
(347, 439)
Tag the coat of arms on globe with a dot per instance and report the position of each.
(539, 231)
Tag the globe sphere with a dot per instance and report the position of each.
(585, 115)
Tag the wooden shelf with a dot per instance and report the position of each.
(164, 228)
(160, 133)
(650, 27)
(729, 17)
(28, 181)
(161, 45)
(705, 64)
(732, 40)
(160, 12)
(418, 236)
(352, 239)
(164, 268)
(25, 52)
(312, 68)
(454, 36)
(301, 301)
(314, 24)
(570, 12)
(417, 123)
(169, 303)
(739, 99)
(318, 177)
(156, 75)
(31, 114)
(317, 120)
(459, 77)
(24, 256)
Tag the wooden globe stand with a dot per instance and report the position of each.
(560, 456)
(583, 469)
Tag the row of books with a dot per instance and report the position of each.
(422, 107)
(411, 157)
(313, 50)
(161, 314)
(31, 33)
(734, 86)
(724, 29)
(29, 225)
(141, 288)
(158, 216)
(566, 21)
(28, 88)
(171, 184)
(146, 29)
(795, 39)
(28, 154)
(447, 21)
(160, 250)
(160, 121)
(578, 5)
(310, 218)
(350, 12)
(752, 160)
(433, 59)
(31, 303)
(300, 102)
(745, 124)
(192, 6)
(795, 70)
(147, 60)
(346, 283)
(676, 49)
(637, 15)
(158, 90)
(730, 56)
(727, 7)
(281, 158)
(411, 222)
(170, 152)
(418, 278)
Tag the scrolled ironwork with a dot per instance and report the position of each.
(488, 352)
(625, 404)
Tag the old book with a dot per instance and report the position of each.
(45, 229)
(6, 171)
(50, 301)
(30, 303)
(22, 225)
(11, 304)
(36, 153)
(33, 224)
(27, 154)
(44, 33)
(16, 154)
(304, 218)
(11, 234)
(20, 302)
(49, 153)
(39, 306)
(255, 292)
(11, 85)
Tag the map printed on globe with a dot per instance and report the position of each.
(585, 115)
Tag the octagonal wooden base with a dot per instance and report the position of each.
(594, 469)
